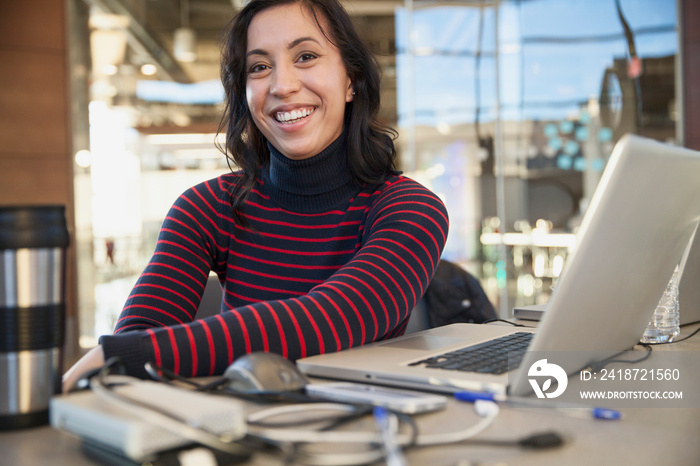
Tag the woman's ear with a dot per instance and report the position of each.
(350, 92)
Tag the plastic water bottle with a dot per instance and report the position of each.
(664, 325)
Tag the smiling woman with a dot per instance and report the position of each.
(318, 242)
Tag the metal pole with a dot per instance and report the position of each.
(680, 83)
(501, 269)
(409, 158)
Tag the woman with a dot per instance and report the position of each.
(318, 242)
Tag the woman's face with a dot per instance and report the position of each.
(296, 84)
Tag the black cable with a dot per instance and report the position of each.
(595, 367)
(217, 387)
(362, 410)
(629, 35)
(503, 320)
(632, 51)
(161, 374)
(412, 425)
(538, 441)
(542, 441)
(269, 396)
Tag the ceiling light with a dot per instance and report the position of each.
(148, 69)
(107, 48)
(83, 158)
(106, 21)
(184, 42)
(110, 70)
(181, 119)
(185, 37)
(444, 128)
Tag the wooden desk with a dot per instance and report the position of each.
(646, 436)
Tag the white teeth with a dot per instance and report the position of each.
(286, 117)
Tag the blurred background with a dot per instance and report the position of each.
(507, 109)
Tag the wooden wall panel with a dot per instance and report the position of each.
(35, 144)
(33, 24)
(33, 102)
(35, 179)
(34, 112)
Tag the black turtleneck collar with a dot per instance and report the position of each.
(311, 185)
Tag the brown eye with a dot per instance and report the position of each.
(306, 57)
(257, 68)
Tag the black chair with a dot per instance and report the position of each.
(453, 296)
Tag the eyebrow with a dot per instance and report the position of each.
(290, 46)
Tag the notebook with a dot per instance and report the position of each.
(639, 221)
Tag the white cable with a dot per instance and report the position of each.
(488, 411)
(289, 409)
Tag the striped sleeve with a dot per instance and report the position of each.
(368, 298)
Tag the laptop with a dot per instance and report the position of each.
(634, 233)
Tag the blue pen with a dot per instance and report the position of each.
(564, 408)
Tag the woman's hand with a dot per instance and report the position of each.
(94, 359)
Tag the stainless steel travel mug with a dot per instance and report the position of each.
(33, 242)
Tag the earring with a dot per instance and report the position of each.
(353, 92)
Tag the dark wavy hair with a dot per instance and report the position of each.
(370, 143)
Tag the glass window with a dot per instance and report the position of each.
(510, 111)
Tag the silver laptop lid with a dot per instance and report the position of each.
(634, 233)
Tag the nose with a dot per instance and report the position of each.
(285, 81)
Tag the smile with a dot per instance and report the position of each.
(294, 115)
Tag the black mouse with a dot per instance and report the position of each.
(264, 372)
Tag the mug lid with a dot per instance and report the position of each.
(35, 226)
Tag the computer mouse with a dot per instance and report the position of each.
(264, 372)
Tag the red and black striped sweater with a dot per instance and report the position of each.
(326, 264)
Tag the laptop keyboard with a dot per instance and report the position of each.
(489, 357)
